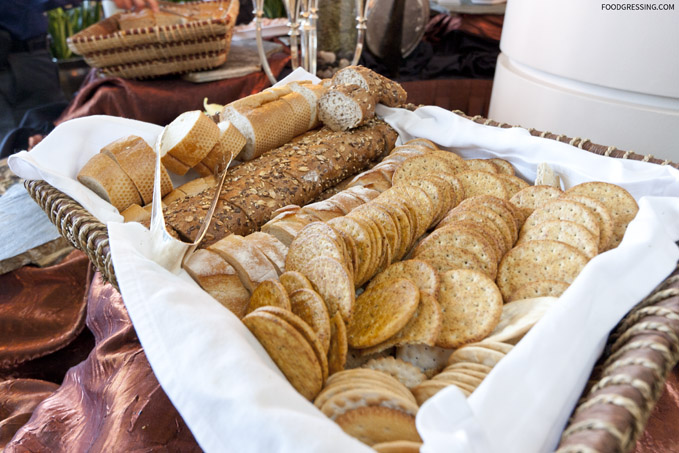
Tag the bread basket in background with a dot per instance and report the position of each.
(177, 39)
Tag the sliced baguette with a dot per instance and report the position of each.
(345, 107)
(138, 160)
(230, 141)
(272, 248)
(189, 138)
(136, 213)
(219, 279)
(312, 93)
(252, 266)
(104, 177)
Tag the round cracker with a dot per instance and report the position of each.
(398, 446)
(427, 389)
(513, 184)
(534, 197)
(380, 378)
(453, 159)
(476, 354)
(483, 219)
(419, 203)
(310, 245)
(422, 142)
(269, 293)
(620, 203)
(469, 372)
(458, 377)
(361, 234)
(538, 260)
(504, 166)
(499, 346)
(478, 368)
(464, 238)
(604, 218)
(381, 312)
(429, 359)
(483, 183)
(499, 206)
(353, 399)
(373, 425)
(518, 317)
(471, 304)
(309, 305)
(289, 350)
(565, 231)
(439, 191)
(422, 274)
(406, 373)
(451, 258)
(422, 328)
(563, 209)
(294, 280)
(337, 352)
(401, 216)
(385, 223)
(423, 165)
(358, 384)
(482, 165)
(307, 332)
(333, 283)
(539, 288)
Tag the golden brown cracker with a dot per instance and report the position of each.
(337, 352)
(309, 305)
(373, 425)
(381, 312)
(269, 292)
(333, 283)
(482, 183)
(471, 304)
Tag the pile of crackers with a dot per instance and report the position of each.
(421, 274)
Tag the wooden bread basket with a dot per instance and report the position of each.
(625, 384)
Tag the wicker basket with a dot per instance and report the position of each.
(202, 42)
(624, 386)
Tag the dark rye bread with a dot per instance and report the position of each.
(295, 173)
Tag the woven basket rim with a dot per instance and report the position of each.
(154, 46)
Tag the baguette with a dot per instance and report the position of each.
(295, 173)
(386, 91)
(104, 177)
(273, 249)
(138, 161)
(188, 139)
(345, 107)
(231, 141)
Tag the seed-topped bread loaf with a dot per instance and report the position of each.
(295, 173)
(345, 107)
(386, 91)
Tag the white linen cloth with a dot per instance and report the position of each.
(232, 396)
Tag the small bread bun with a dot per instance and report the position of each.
(230, 141)
(188, 139)
(138, 160)
(104, 177)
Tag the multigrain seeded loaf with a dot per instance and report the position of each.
(295, 173)
(386, 91)
(345, 107)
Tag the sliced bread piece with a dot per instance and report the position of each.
(189, 138)
(345, 107)
(219, 279)
(138, 160)
(312, 93)
(386, 91)
(230, 141)
(104, 177)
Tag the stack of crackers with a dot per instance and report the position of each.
(423, 273)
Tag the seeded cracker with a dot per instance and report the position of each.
(482, 183)
(620, 203)
(538, 260)
(563, 209)
(289, 350)
(269, 292)
(308, 305)
(565, 231)
(406, 373)
(603, 215)
(471, 304)
(482, 165)
(418, 272)
(373, 425)
(539, 288)
(293, 280)
(381, 312)
(427, 389)
(518, 317)
(333, 283)
(337, 353)
(476, 354)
